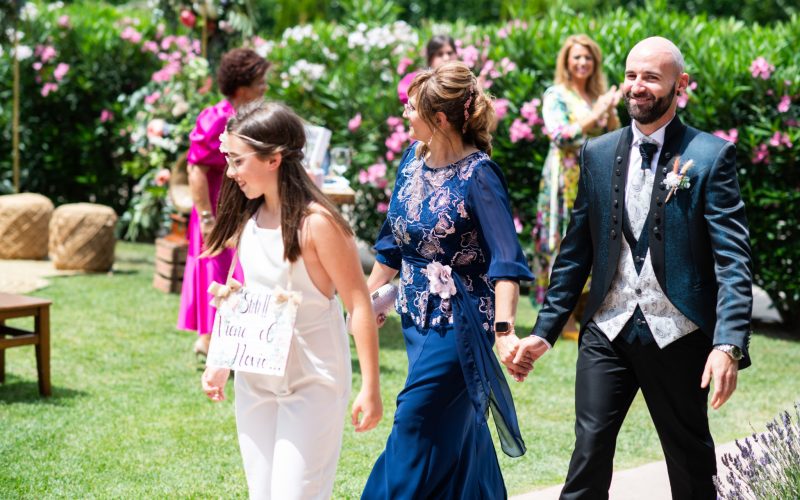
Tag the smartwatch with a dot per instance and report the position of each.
(503, 327)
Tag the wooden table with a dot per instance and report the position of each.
(340, 195)
(20, 306)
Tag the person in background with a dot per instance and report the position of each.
(578, 106)
(439, 50)
(240, 78)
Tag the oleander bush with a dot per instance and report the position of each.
(73, 66)
(343, 75)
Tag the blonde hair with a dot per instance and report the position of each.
(596, 85)
(453, 90)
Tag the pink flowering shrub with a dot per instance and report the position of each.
(344, 76)
(731, 135)
(761, 68)
(354, 123)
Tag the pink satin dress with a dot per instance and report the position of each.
(195, 312)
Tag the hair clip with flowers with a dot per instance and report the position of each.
(466, 109)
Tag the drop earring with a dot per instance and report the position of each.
(431, 139)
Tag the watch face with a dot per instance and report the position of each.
(502, 327)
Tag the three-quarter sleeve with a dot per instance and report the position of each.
(555, 112)
(487, 200)
(387, 250)
(204, 139)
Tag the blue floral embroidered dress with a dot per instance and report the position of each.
(457, 216)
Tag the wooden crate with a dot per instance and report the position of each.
(170, 262)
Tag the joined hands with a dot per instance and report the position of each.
(519, 356)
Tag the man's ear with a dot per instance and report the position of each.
(682, 83)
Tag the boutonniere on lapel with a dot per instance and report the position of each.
(677, 179)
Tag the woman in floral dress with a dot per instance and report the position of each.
(450, 234)
(578, 106)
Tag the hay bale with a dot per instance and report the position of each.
(23, 225)
(82, 237)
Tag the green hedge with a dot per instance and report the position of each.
(333, 73)
(725, 96)
(70, 148)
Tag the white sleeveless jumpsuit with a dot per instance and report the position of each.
(290, 428)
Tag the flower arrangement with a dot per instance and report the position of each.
(677, 179)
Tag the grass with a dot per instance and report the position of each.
(128, 419)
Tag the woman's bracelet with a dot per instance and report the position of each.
(206, 217)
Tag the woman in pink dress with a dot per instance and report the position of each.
(241, 79)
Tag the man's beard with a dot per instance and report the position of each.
(645, 114)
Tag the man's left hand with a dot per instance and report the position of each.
(724, 370)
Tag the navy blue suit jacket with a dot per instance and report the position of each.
(699, 240)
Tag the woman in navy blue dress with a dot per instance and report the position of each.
(450, 235)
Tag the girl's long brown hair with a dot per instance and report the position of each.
(268, 128)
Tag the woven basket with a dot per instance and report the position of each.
(23, 226)
(82, 237)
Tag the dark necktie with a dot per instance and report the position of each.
(647, 150)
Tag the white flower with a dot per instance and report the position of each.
(10, 34)
(441, 280)
(180, 108)
(23, 52)
(305, 73)
(223, 142)
(29, 12)
(265, 48)
(329, 54)
(672, 181)
(299, 33)
(356, 39)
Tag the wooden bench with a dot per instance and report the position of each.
(19, 306)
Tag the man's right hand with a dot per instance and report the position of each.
(530, 349)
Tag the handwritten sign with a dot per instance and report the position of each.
(253, 330)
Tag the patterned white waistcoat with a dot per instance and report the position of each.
(629, 288)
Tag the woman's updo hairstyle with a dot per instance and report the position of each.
(454, 90)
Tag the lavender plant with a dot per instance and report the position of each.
(767, 465)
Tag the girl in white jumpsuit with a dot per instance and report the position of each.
(290, 236)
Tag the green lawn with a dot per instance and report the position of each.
(128, 419)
